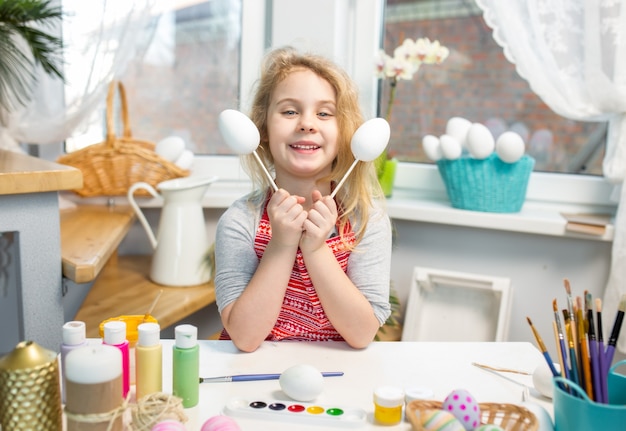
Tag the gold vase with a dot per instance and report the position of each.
(30, 391)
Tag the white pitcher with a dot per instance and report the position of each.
(181, 243)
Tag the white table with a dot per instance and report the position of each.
(441, 366)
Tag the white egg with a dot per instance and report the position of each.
(458, 127)
(450, 147)
(370, 139)
(239, 132)
(185, 160)
(170, 148)
(302, 382)
(542, 379)
(480, 142)
(431, 146)
(510, 147)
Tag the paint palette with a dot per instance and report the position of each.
(296, 412)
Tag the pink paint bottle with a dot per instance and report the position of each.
(115, 335)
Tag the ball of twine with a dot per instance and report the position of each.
(156, 407)
(96, 418)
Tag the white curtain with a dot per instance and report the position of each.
(100, 38)
(573, 55)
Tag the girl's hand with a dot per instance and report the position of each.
(286, 216)
(321, 220)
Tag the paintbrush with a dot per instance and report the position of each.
(254, 377)
(583, 350)
(571, 343)
(561, 341)
(617, 326)
(570, 309)
(542, 348)
(593, 349)
(154, 303)
(601, 359)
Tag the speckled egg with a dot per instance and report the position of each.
(464, 407)
(439, 420)
(489, 427)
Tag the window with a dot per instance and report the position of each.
(476, 82)
(188, 74)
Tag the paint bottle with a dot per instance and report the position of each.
(388, 402)
(148, 360)
(186, 365)
(115, 335)
(94, 389)
(74, 335)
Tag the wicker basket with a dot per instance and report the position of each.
(111, 167)
(509, 417)
(488, 185)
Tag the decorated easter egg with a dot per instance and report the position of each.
(464, 407)
(439, 420)
(450, 147)
(489, 427)
(431, 146)
(302, 382)
(220, 423)
(168, 425)
(457, 127)
(480, 142)
(510, 147)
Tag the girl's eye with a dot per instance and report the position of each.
(325, 114)
(289, 112)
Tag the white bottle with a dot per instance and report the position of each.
(74, 335)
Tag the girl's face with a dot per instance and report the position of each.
(302, 126)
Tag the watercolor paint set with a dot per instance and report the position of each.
(296, 412)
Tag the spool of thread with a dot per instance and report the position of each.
(168, 425)
(94, 389)
(30, 395)
(220, 423)
(74, 335)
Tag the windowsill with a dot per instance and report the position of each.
(419, 196)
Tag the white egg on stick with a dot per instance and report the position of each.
(368, 142)
(242, 136)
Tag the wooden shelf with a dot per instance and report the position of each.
(90, 235)
(123, 288)
(21, 173)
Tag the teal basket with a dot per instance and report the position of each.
(488, 185)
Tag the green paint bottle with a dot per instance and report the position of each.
(186, 365)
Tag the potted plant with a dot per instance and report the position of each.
(406, 61)
(23, 46)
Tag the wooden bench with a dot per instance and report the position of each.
(90, 235)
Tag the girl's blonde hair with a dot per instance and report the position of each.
(356, 194)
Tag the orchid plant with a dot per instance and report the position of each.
(406, 61)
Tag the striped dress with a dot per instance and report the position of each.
(302, 316)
